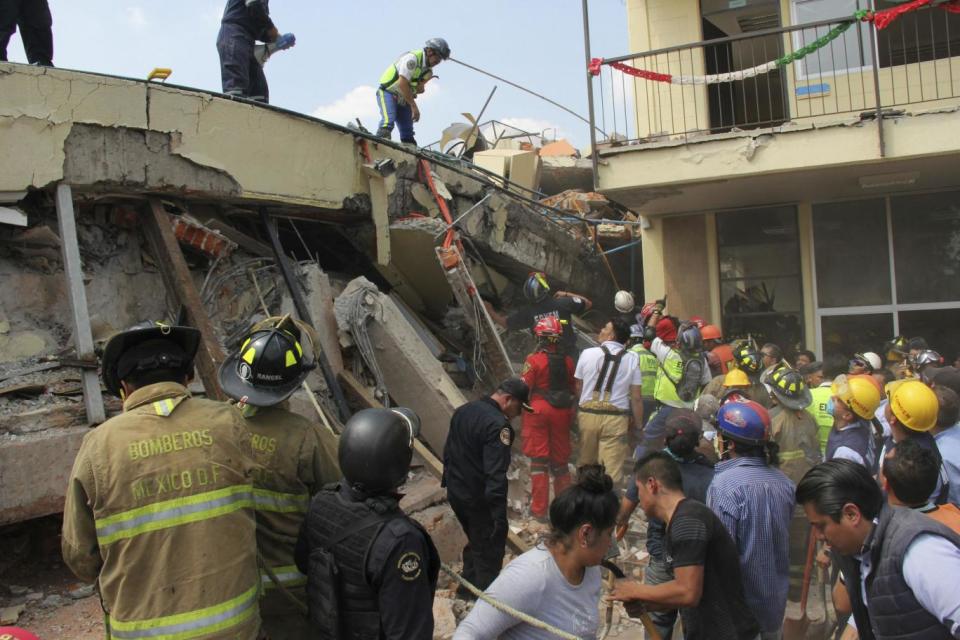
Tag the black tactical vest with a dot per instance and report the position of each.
(330, 516)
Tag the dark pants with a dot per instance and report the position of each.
(483, 555)
(392, 112)
(240, 73)
(36, 29)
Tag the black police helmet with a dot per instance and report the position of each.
(376, 448)
(269, 366)
(145, 347)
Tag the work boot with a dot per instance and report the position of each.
(384, 132)
(539, 494)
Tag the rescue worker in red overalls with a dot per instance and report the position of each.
(546, 430)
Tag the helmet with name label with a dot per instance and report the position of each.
(536, 288)
(270, 364)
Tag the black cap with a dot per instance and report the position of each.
(943, 377)
(517, 388)
(813, 367)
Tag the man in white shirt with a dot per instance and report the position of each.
(610, 388)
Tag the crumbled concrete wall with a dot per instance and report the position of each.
(40, 107)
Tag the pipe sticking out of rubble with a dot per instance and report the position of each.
(332, 383)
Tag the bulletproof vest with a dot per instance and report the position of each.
(558, 394)
(858, 438)
(892, 610)
(330, 515)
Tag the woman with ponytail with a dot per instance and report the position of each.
(558, 581)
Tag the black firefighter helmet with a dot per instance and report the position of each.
(146, 347)
(269, 366)
(376, 448)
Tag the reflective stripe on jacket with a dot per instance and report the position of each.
(159, 511)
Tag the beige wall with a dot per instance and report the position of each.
(687, 273)
(657, 24)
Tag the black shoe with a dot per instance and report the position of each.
(383, 132)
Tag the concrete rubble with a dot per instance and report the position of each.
(359, 238)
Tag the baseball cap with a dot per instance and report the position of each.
(682, 421)
(943, 377)
(518, 389)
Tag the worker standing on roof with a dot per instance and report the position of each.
(36, 29)
(372, 570)
(400, 85)
(540, 304)
(159, 506)
(546, 430)
(294, 458)
(245, 22)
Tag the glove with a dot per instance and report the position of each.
(285, 41)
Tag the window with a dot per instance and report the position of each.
(861, 304)
(926, 246)
(849, 52)
(917, 36)
(852, 258)
(760, 286)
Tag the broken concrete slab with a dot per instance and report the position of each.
(413, 376)
(444, 529)
(25, 494)
(319, 299)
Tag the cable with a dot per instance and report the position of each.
(533, 93)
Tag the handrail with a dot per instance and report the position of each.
(740, 36)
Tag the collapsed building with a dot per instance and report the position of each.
(123, 201)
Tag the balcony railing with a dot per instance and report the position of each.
(763, 79)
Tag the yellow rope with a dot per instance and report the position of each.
(519, 615)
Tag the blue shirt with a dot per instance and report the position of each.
(755, 503)
(948, 442)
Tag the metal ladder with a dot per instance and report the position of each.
(465, 291)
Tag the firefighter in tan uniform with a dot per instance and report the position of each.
(159, 507)
(293, 458)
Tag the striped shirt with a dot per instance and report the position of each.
(755, 503)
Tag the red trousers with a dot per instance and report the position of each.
(546, 441)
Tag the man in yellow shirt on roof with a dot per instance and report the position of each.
(400, 85)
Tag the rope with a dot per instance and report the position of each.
(507, 609)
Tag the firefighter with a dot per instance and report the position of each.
(159, 505)
(294, 458)
(546, 430)
(372, 571)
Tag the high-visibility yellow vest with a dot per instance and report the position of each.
(818, 409)
(390, 77)
(668, 371)
(648, 369)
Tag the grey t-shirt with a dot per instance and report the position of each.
(534, 585)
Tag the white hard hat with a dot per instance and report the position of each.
(874, 360)
(623, 301)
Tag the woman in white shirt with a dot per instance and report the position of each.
(558, 581)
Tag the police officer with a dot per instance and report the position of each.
(243, 23)
(159, 506)
(475, 461)
(294, 458)
(400, 85)
(372, 571)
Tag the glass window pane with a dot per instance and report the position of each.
(842, 336)
(850, 249)
(939, 327)
(851, 50)
(760, 285)
(926, 247)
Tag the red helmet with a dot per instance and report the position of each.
(710, 332)
(16, 633)
(697, 320)
(648, 310)
(548, 327)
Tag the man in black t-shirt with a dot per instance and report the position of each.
(707, 586)
(561, 304)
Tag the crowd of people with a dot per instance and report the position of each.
(205, 519)
(750, 468)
